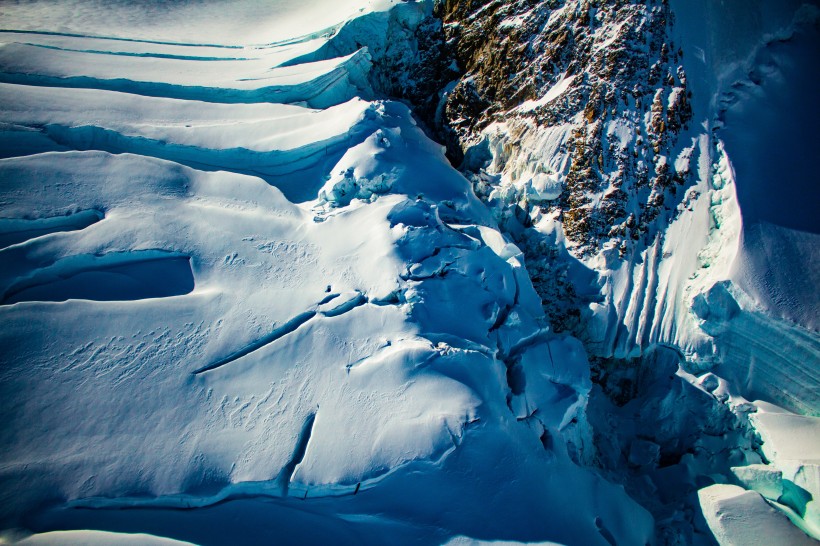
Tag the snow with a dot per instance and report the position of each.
(742, 221)
(768, 350)
(739, 517)
(96, 538)
(466, 541)
(621, 132)
(754, 291)
(290, 146)
(730, 283)
(781, 232)
(788, 437)
(553, 93)
(267, 307)
(189, 22)
(239, 293)
(540, 170)
(761, 478)
(513, 22)
(743, 229)
(755, 81)
(792, 444)
(218, 80)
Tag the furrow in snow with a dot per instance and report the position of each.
(319, 85)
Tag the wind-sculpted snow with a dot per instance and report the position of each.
(320, 84)
(227, 316)
(189, 22)
(17, 230)
(292, 147)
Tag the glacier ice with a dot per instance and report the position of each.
(235, 289)
(245, 294)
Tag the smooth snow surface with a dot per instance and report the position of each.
(189, 22)
(753, 66)
(742, 518)
(754, 62)
(555, 91)
(95, 538)
(240, 299)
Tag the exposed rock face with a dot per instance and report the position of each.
(603, 71)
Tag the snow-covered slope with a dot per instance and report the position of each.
(191, 23)
(755, 82)
(244, 302)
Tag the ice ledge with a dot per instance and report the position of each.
(739, 518)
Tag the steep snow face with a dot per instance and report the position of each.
(633, 190)
(763, 102)
(762, 314)
(268, 310)
(767, 118)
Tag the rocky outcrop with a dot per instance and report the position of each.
(604, 71)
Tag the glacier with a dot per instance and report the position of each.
(246, 297)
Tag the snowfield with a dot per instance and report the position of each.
(246, 299)
(233, 284)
